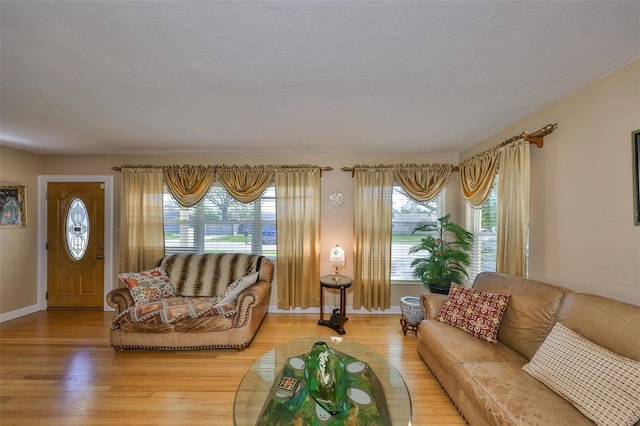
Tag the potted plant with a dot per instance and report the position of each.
(447, 248)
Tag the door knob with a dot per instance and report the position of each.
(99, 256)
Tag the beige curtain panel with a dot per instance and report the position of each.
(244, 183)
(423, 181)
(373, 188)
(189, 184)
(476, 176)
(298, 236)
(141, 219)
(513, 208)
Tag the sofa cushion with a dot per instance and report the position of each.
(603, 385)
(616, 327)
(452, 347)
(506, 395)
(235, 288)
(147, 286)
(156, 316)
(208, 274)
(532, 309)
(477, 312)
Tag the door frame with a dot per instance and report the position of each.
(43, 181)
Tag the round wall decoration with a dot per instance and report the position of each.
(336, 199)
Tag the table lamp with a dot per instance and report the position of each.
(336, 257)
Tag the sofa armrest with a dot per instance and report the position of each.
(431, 304)
(120, 299)
(257, 294)
(258, 291)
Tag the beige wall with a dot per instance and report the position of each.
(582, 231)
(336, 223)
(19, 254)
(18, 246)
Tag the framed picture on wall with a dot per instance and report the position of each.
(635, 141)
(13, 206)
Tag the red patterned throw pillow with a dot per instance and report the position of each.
(477, 312)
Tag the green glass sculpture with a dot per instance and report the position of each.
(326, 378)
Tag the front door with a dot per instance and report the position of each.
(75, 244)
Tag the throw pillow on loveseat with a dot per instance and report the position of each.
(147, 286)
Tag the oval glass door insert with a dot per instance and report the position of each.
(77, 227)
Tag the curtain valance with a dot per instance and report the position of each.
(189, 184)
(422, 182)
(245, 183)
(476, 176)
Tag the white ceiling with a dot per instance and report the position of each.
(303, 76)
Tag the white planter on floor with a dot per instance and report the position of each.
(411, 310)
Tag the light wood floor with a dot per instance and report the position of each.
(57, 368)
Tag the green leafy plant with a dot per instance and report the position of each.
(447, 248)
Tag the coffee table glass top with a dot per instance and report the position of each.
(258, 381)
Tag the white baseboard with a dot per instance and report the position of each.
(394, 310)
(19, 313)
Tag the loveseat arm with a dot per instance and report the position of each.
(120, 299)
(256, 294)
(431, 304)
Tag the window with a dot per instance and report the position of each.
(482, 222)
(407, 212)
(77, 229)
(220, 224)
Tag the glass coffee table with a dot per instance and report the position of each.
(257, 383)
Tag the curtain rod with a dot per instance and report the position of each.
(150, 166)
(536, 137)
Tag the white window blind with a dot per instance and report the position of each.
(407, 212)
(482, 222)
(220, 224)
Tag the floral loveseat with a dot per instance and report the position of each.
(558, 357)
(192, 301)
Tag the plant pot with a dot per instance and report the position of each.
(411, 310)
(437, 290)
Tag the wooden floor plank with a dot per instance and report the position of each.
(57, 367)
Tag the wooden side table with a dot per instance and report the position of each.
(341, 282)
(406, 326)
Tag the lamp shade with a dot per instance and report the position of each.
(336, 256)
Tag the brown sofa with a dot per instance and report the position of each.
(199, 281)
(486, 382)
